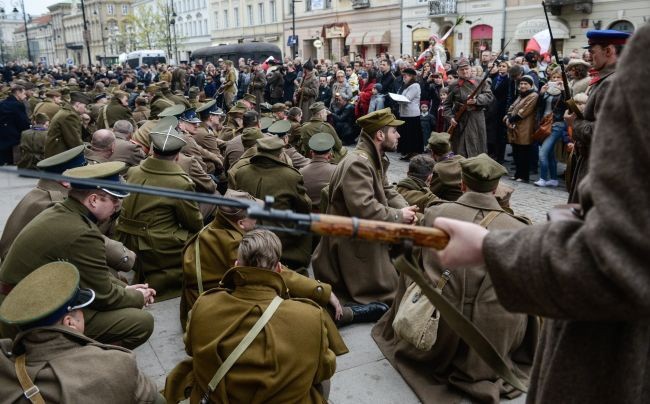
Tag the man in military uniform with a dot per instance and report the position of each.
(50, 105)
(116, 110)
(291, 364)
(415, 187)
(32, 142)
(229, 85)
(361, 272)
(51, 360)
(142, 111)
(258, 83)
(318, 172)
(445, 181)
(188, 124)
(141, 135)
(281, 129)
(265, 110)
(101, 147)
(450, 362)
(158, 102)
(249, 102)
(67, 232)
(605, 48)
(193, 97)
(279, 110)
(470, 136)
(210, 126)
(157, 228)
(268, 174)
(318, 124)
(65, 128)
(234, 121)
(234, 147)
(308, 91)
(179, 78)
(126, 150)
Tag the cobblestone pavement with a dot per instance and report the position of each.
(363, 375)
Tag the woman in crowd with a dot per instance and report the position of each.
(365, 94)
(551, 101)
(290, 77)
(410, 142)
(578, 71)
(520, 121)
(496, 129)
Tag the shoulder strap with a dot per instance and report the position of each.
(197, 261)
(31, 392)
(243, 345)
(489, 218)
(104, 116)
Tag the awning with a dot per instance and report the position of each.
(529, 28)
(354, 38)
(376, 38)
(421, 34)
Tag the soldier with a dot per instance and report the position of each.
(65, 129)
(279, 110)
(158, 101)
(249, 102)
(415, 187)
(268, 174)
(210, 126)
(157, 228)
(126, 150)
(229, 85)
(234, 122)
(605, 47)
(193, 97)
(141, 135)
(445, 181)
(450, 362)
(361, 272)
(234, 148)
(188, 124)
(318, 172)
(294, 115)
(265, 110)
(51, 360)
(291, 364)
(67, 232)
(32, 142)
(248, 140)
(50, 105)
(308, 91)
(470, 136)
(317, 124)
(281, 129)
(101, 147)
(179, 78)
(258, 83)
(141, 112)
(116, 110)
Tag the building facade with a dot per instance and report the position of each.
(9, 47)
(192, 26)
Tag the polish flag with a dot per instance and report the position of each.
(440, 68)
(540, 42)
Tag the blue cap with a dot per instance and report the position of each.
(606, 37)
(190, 116)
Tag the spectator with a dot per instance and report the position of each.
(409, 111)
(551, 101)
(324, 91)
(343, 117)
(13, 120)
(340, 87)
(427, 121)
(520, 121)
(377, 99)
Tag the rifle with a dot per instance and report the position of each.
(571, 105)
(321, 224)
(461, 111)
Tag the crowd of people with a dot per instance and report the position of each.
(80, 262)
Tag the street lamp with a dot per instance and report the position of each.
(294, 42)
(86, 33)
(15, 10)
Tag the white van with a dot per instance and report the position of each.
(146, 56)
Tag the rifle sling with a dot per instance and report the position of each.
(30, 391)
(465, 329)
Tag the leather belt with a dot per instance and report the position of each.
(5, 288)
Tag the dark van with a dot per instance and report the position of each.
(258, 51)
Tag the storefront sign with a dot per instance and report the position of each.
(336, 31)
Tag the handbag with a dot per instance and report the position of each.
(545, 125)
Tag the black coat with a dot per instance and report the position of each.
(13, 120)
(343, 119)
(325, 94)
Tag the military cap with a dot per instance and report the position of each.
(481, 173)
(265, 123)
(52, 93)
(206, 107)
(235, 212)
(463, 62)
(193, 92)
(100, 96)
(174, 110)
(189, 115)
(27, 84)
(167, 141)
(249, 136)
(376, 120)
(238, 109)
(64, 161)
(77, 96)
(279, 107)
(250, 98)
(44, 296)
(152, 88)
(439, 143)
(65, 90)
(309, 65)
(270, 144)
(321, 142)
(606, 37)
(163, 85)
(217, 111)
(317, 107)
(109, 171)
(120, 94)
(280, 127)
(266, 107)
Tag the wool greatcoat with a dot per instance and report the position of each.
(307, 94)
(32, 147)
(317, 125)
(267, 174)
(157, 228)
(256, 87)
(68, 367)
(67, 232)
(359, 270)
(470, 137)
(283, 364)
(416, 192)
(218, 243)
(583, 129)
(47, 107)
(445, 181)
(112, 112)
(64, 131)
(589, 278)
(317, 175)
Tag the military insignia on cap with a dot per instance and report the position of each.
(164, 137)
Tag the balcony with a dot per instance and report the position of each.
(440, 8)
(360, 3)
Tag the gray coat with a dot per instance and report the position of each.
(590, 278)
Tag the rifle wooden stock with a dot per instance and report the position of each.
(374, 230)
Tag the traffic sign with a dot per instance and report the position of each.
(69, 61)
(292, 40)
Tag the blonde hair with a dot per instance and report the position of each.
(259, 248)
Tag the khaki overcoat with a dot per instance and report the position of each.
(317, 175)
(416, 192)
(317, 125)
(64, 132)
(47, 107)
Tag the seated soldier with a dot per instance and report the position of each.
(53, 358)
(281, 365)
(318, 172)
(450, 369)
(67, 232)
(445, 182)
(32, 142)
(101, 147)
(415, 187)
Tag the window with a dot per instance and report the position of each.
(318, 4)
(249, 9)
(205, 27)
(216, 19)
(260, 11)
(236, 16)
(109, 9)
(226, 24)
(622, 25)
(125, 9)
(274, 16)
